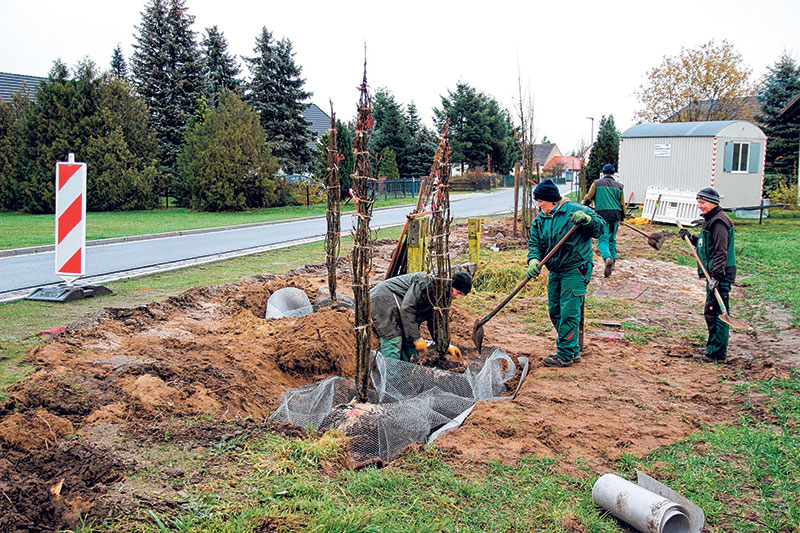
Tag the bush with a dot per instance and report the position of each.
(784, 194)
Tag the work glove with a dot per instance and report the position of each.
(683, 233)
(454, 352)
(713, 284)
(587, 203)
(533, 268)
(579, 217)
(421, 346)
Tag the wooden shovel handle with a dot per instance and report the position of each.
(634, 228)
(705, 272)
(526, 280)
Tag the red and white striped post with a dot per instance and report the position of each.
(70, 219)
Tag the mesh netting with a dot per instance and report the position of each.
(408, 403)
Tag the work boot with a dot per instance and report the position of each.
(703, 358)
(576, 359)
(609, 267)
(554, 360)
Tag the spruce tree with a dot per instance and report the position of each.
(422, 146)
(390, 130)
(605, 150)
(780, 84)
(118, 65)
(219, 68)
(168, 73)
(277, 94)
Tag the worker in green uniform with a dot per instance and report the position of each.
(399, 305)
(609, 202)
(570, 267)
(716, 251)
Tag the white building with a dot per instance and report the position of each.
(727, 155)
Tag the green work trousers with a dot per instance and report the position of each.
(565, 294)
(717, 344)
(607, 242)
(395, 348)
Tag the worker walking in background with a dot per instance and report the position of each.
(399, 305)
(715, 249)
(570, 267)
(609, 202)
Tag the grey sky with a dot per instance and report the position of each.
(579, 58)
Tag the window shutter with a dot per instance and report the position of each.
(755, 159)
(727, 163)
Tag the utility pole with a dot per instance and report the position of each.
(591, 131)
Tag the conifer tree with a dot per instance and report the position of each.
(11, 117)
(390, 130)
(60, 120)
(118, 65)
(387, 167)
(780, 84)
(122, 151)
(219, 68)
(605, 150)
(167, 72)
(422, 146)
(276, 93)
(226, 161)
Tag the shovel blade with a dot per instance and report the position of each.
(733, 322)
(657, 240)
(477, 335)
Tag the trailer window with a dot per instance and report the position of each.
(741, 157)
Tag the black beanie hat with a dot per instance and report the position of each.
(462, 282)
(709, 195)
(547, 190)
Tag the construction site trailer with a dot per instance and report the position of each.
(726, 154)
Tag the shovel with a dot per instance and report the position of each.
(477, 330)
(723, 313)
(655, 240)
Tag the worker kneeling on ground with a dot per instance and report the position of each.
(609, 202)
(401, 304)
(570, 266)
(715, 249)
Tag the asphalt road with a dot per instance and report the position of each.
(20, 274)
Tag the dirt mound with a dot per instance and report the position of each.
(46, 489)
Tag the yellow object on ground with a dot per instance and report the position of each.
(639, 221)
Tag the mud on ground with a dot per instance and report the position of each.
(108, 386)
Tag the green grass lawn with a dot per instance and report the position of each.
(20, 230)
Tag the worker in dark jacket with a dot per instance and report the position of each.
(399, 305)
(716, 251)
(570, 267)
(609, 202)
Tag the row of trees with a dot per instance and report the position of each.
(137, 127)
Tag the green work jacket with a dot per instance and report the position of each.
(547, 230)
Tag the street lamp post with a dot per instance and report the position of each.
(591, 131)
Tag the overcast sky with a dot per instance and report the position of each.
(579, 59)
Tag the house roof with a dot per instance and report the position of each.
(678, 129)
(792, 108)
(10, 83)
(320, 121)
(543, 152)
(564, 162)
